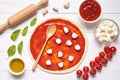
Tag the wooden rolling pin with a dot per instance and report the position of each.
(22, 15)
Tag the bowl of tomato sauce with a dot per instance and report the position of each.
(90, 11)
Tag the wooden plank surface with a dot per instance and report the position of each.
(111, 9)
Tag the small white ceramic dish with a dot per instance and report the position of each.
(106, 31)
(90, 21)
(16, 65)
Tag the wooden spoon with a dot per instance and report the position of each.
(49, 33)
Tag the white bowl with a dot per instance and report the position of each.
(16, 73)
(99, 24)
(91, 21)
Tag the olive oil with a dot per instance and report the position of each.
(17, 65)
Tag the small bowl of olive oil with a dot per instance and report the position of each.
(16, 66)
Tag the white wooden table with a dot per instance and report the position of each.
(111, 9)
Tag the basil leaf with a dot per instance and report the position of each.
(24, 31)
(20, 46)
(33, 22)
(15, 34)
(11, 50)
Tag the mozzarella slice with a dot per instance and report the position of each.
(68, 43)
(70, 58)
(109, 39)
(98, 30)
(49, 51)
(102, 28)
(115, 33)
(48, 62)
(61, 64)
(102, 34)
(109, 30)
(60, 54)
(66, 30)
(74, 35)
(110, 24)
(58, 41)
(100, 39)
(77, 47)
(97, 35)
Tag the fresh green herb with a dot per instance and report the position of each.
(15, 34)
(33, 22)
(11, 50)
(24, 31)
(20, 46)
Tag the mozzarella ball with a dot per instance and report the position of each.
(102, 34)
(97, 35)
(61, 64)
(109, 39)
(74, 35)
(109, 30)
(48, 62)
(66, 30)
(60, 54)
(68, 43)
(58, 41)
(49, 51)
(102, 28)
(77, 47)
(108, 35)
(104, 39)
(100, 39)
(98, 30)
(70, 58)
(110, 24)
(115, 33)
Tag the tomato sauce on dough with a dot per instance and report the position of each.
(39, 36)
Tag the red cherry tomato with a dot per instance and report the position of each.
(93, 71)
(85, 76)
(109, 55)
(99, 66)
(102, 54)
(79, 72)
(113, 49)
(97, 59)
(104, 61)
(106, 49)
(86, 69)
(92, 63)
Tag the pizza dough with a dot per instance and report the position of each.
(64, 51)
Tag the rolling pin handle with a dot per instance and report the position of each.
(4, 26)
(41, 4)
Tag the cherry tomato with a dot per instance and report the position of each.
(86, 69)
(102, 54)
(97, 59)
(85, 76)
(93, 71)
(92, 63)
(79, 72)
(99, 66)
(106, 49)
(104, 61)
(109, 55)
(113, 49)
